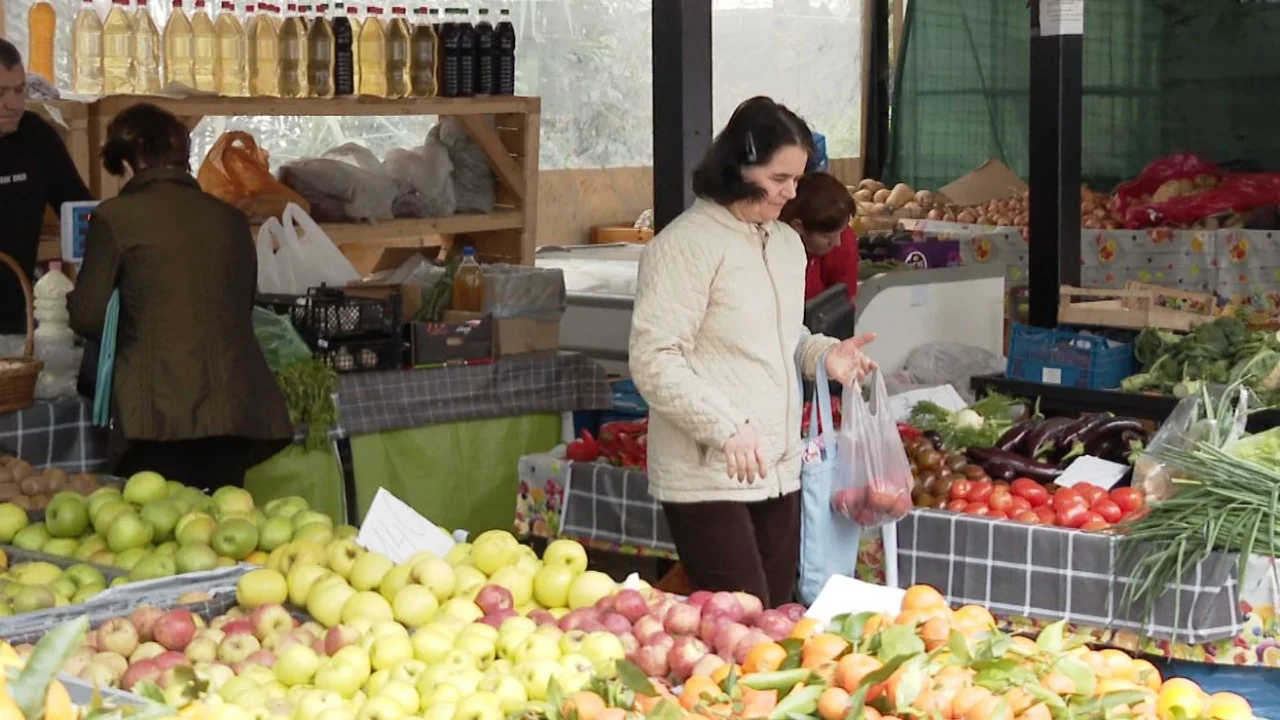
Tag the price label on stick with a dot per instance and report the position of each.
(1087, 468)
(396, 530)
(843, 595)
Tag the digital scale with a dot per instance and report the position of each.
(75, 229)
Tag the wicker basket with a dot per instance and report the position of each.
(18, 374)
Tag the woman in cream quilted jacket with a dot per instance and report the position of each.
(716, 335)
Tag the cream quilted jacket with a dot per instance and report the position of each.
(715, 337)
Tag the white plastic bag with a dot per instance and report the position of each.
(307, 257)
(872, 485)
(271, 277)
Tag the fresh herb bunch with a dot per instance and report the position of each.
(309, 387)
(1221, 351)
(957, 429)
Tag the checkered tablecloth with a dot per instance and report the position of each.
(520, 385)
(57, 433)
(606, 504)
(1049, 573)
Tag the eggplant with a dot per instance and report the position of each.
(933, 437)
(1022, 466)
(1011, 440)
(997, 470)
(1071, 445)
(1037, 438)
(1113, 426)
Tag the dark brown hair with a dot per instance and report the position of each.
(10, 58)
(757, 130)
(822, 204)
(146, 136)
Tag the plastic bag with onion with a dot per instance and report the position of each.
(873, 476)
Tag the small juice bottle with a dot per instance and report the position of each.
(468, 284)
(117, 50)
(373, 55)
(42, 26)
(86, 51)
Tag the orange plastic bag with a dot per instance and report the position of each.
(237, 171)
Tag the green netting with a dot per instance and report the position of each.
(1194, 75)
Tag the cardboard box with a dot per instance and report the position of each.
(993, 180)
(391, 274)
(521, 336)
(461, 339)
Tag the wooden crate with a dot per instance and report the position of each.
(1134, 307)
(610, 235)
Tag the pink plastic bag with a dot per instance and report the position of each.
(873, 477)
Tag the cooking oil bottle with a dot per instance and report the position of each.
(146, 51)
(292, 47)
(373, 55)
(232, 77)
(399, 36)
(117, 50)
(204, 47)
(86, 51)
(264, 54)
(422, 55)
(320, 52)
(42, 27)
(179, 51)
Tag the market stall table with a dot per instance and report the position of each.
(56, 433)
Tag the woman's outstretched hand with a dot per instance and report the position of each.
(846, 363)
(742, 456)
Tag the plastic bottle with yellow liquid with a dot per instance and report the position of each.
(423, 57)
(204, 45)
(320, 60)
(117, 50)
(42, 27)
(399, 37)
(468, 284)
(264, 54)
(179, 49)
(146, 51)
(292, 44)
(373, 55)
(232, 78)
(86, 51)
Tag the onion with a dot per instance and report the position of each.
(936, 214)
(949, 215)
(967, 217)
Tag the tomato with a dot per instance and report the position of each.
(1071, 515)
(1036, 495)
(980, 491)
(1046, 515)
(1000, 501)
(957, 505)
(1129, 499)
(1021, 503)
(1000, 485)
(1094, 525)
(1089, 492)
(1029, 517)
(1091, 516)
(997, 515)
(1109, 511)
(960, 489)
(1022, 485)
(977, 508)
(1066, 497)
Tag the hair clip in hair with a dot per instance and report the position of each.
(752, 156)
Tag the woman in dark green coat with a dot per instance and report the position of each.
(192, 396)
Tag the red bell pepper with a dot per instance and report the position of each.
(584, 449)
(908, 432)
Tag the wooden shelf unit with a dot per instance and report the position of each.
(511, 145)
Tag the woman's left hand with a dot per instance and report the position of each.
(846, 363)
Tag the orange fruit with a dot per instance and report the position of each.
(1146, 674)
(1058, 683)
(646, 704)
(822, 648)
(852, 668)
(758, 703)
(806, 628)
(1116, 664)
(920, 616)
(585, 703)
(720, 674)
(1222, 706)
(1025, 645)
(875, 624)
(935, 632)
(612, 714)
(833, 704)
(870, 713)
(1019, 700)
(972, 619)
(1039, 711)
(765, 657)
(923, 597)
(967, 699)
(1180, 695)
(698, 689)
(990, 708)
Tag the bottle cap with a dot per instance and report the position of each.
(177, 3)
(371, 11)
(56, 265)
(468, 252)
(484, 11)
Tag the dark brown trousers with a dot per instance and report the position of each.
(746, 547)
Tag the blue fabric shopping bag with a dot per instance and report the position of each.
(106, 362)
(828, 540)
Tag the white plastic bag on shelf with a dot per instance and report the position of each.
(472, 177)
(312, 257)
(430, 171)
(271, 271)
(355, 155)
(943, 363)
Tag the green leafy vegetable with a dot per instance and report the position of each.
(1221, 351)
(309, 388)
(957, 430)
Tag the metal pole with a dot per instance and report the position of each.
(681, 101)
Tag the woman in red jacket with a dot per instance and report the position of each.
(820, 212)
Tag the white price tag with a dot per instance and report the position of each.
(1051, 376)
(1087, 468)
(1061, 17)
(843, 595)
(396, 530)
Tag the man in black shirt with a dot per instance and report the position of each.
(35, 171)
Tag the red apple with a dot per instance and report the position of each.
(682, 619)
(338, 637)
(652, 661)
(686, 653)
(319, 647)
(710, 626)
(144, 619)
(629, 642)
(752, 606)
(646, 628)
(708, 664)
(776, 625)
(661, 640)
(543, 617)
(238, 626)
(591, 625)
(605, 605)
(493, 598)
(616, 623)
(174, 629)
(271, 619)
(729, 636)
(496, 618)
(138, 672)
(630, 604)
(168, 659)
(265, 658)
(726, 605)
(793, 611)
(699, 598)
(575, 619)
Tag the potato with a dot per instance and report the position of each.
(864, 195)
(880, 196)
(881, 209)
(900, 195)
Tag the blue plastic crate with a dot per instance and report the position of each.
(1070, 359)
(627, 405)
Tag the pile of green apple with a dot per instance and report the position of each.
(31, 586)
(155, 528)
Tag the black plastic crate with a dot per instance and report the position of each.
(326, 313)
(362, 354)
